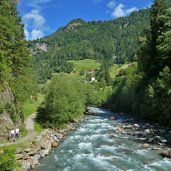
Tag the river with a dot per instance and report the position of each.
(92, 147)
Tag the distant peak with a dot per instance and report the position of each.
(77, 20)
(74, 24)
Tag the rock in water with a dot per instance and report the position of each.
(44, 153)
(145, 145)
(167, 153)
(160, 139)
(54, 144)
(147, 131)
(112, 118)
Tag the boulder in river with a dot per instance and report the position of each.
(147, 131)
(160, 139)
(43, 153)
(167, 153)
(136, 126)
(54, 144)
(36, 157)
(112, 118)
(145, 145)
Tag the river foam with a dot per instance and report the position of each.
(95, 146)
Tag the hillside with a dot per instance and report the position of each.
(116, 40)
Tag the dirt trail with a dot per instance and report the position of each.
(29, 124)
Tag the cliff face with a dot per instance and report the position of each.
(9, 117)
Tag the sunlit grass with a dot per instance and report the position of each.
(31, 106)
(86, 64)
(38, 128)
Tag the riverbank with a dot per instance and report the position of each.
(150, 136)
(108, 129)
(29, 155)
(103, 142)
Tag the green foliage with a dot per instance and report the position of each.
(115, 39)
(103, 74)
(65, 101)
(146, 90)
(7, 159)
(31, 106)
(85, 65)
(38, 128)
(156, 106)
(15, 74)
(151, 57)
(124, 96)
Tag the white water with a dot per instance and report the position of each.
(93, 148)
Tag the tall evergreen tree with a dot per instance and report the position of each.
(159, 8)
(164, 42)
(14, 54)
(14, 58)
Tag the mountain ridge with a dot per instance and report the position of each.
(115, 40)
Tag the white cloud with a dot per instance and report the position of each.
(119, 11)
(36, 34)
(27, 34)
(38, 4)
(111, 4)
(128, 11)
(34, 20)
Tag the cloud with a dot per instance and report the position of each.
(34, 20)
(36, 34)
(38, 4)
(128, 11)
(111, 4)
(27, 34)
(119, 10)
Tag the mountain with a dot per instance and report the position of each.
(115, 39)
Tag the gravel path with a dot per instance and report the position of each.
(29, 124)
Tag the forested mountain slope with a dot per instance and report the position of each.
(145, 89)
(115, 39)
(15, 75)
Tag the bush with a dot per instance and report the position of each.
(65, 101)
(7, 159)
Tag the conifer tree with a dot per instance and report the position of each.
(164, 42)
(159, 8)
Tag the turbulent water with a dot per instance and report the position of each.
(92, 147)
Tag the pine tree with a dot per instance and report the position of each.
(164, 42)
(14, 54)
(159, 8)
(14, 58)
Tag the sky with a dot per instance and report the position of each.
(43, 17)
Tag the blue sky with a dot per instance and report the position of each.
(43, 17)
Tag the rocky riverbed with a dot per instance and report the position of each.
(105, 140)
(111, 142)
(150, 136)
(30, 155)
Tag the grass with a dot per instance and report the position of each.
(38, 128)
(86, 64)
(116, 68)
(31, 106)
(113, 69)
(24, 132)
